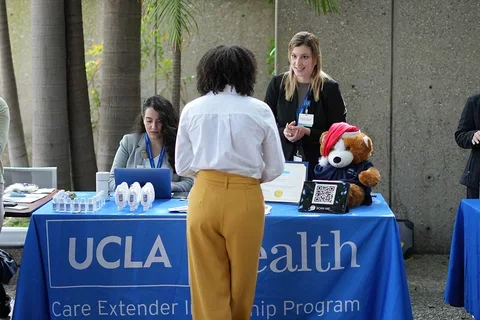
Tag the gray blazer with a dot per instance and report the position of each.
(129, 155)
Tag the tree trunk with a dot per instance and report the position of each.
(120, 86)
(177, 75)
(83, 162)
(17, 151)
(50, 136)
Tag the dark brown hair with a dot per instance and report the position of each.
(227, 65)
(168, 117)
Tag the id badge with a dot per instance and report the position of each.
(305, 119)
(297, 157)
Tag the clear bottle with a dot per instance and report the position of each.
(76, 206)
(68, 206)
(90, 207)
(83, 207)
(61, 205)
(55, 204)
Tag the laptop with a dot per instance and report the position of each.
(160, 178)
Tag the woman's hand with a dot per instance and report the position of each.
(476, 138)
(292, 132)
(288, 131)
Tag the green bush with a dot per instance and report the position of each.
(16, 222)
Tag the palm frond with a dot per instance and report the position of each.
(174, 16)
(324, 6)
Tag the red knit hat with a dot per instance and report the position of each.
(338, 130)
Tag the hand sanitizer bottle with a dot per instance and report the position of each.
(134, 196)
(148, 195)
(121, 194)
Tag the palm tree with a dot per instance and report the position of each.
(120, 84)
(17, 151)
(323, 6)
(83, 162)
(50, 134)
(177, 17)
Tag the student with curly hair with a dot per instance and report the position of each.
(230, 142)
(152, 145)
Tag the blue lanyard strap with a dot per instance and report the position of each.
(150, 155)
(305, 105)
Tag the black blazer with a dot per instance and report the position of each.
(329, 109)
(468, 124)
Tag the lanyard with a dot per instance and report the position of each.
(150, 156)
(305, 105)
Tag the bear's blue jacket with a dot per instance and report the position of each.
(347, 174)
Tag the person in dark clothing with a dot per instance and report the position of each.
(467, 136)
(305, 101)
(5, 307)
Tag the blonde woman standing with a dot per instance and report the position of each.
(305, 101)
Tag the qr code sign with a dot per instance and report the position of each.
(324, 194)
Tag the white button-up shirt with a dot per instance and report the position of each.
(230, 133)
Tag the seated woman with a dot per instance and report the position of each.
(152, 145)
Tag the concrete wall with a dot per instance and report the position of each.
(405, 69)
(436, 67)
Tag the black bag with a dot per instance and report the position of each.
(405, 227)
(8, 267)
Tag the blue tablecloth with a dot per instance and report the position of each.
(116, 265)
(463, 281)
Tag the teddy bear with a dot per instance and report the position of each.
(345, 153)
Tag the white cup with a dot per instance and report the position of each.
(102, 183)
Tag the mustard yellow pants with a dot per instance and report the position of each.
(225, 221)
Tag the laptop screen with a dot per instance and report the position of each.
(160, 178)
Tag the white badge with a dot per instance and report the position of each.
(305, 120)
(297, 159)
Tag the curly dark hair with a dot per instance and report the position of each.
(169, 119)
(227, 65)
